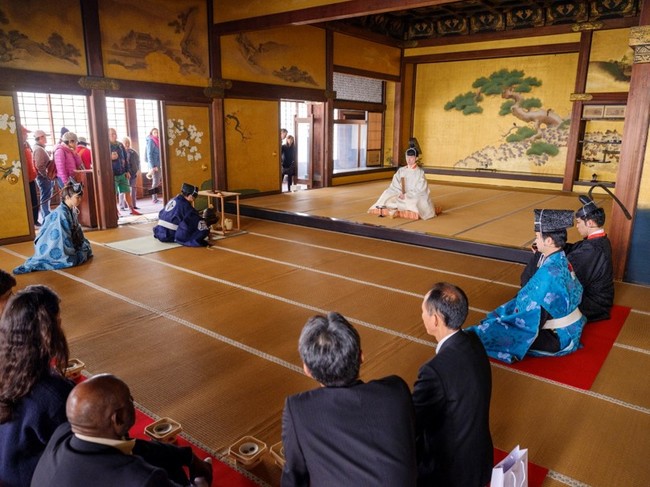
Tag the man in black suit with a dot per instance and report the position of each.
(347, 432)
(452, 398)
(94, 447)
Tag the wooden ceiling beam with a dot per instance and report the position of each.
(324, 13)
(361, 33)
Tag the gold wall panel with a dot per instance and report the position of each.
(366, 55)
(161, 41)
(610, 62)
(15, 222)
(42, 36)
(188, 145)
(226, 10)
(482, 136)
(293, 56)
(408, 101)
(389, 124)
(600, 151)
(252, 144)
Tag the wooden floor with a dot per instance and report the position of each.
(209, 338)
(487, 215)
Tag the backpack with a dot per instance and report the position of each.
(50, 169)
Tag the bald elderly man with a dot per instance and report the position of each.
(95, 449)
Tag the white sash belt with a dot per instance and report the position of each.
(165, 224)
(572, 317)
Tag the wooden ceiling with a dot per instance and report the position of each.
(469, 17)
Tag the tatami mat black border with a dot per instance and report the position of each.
(392, 235)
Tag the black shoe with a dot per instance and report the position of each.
(136, 207)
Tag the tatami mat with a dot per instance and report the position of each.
(578, 435)
(209, 338)
(490, 215)
(142, 245)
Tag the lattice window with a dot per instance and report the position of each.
(288, 111)
(147, 115)
(116, 116)
(41, 111)
(358, 88)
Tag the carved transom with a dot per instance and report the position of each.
(477, 16)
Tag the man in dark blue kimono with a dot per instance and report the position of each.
(179, 222)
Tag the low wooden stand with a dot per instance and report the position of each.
(221, 197)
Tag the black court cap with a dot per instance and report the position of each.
(190, 190)
(552, 220)
(589, 207)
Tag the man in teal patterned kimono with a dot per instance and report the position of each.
(543, 319)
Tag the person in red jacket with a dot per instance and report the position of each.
(31, 175)
(85, 153)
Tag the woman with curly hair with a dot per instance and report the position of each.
(33, 391)
(7, 283)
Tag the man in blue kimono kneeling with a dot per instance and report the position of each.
(543, 319)
(179, 222)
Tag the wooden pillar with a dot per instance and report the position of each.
(102, 167)
(132, 123)
(328, 113)
(216, 91)
(637, 123)
(572, 167)
(219, 173)
(102, 164)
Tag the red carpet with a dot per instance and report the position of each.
(222, 474)
(536, 474)
(580, 368)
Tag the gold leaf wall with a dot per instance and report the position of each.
(15, 222)
(161, 41)
(291, 56)
(370, 56)
(449, 137)
(389, 124)
(610, 62)
(252, 144)
(189, 150)
(42, 36)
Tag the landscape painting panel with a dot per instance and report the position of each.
(161, 41)
(42, 36)
(505, 115)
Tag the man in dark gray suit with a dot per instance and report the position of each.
(346, 432)
(452, 398)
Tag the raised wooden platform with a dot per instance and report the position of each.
(482, 221)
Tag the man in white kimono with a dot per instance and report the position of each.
(408, 194)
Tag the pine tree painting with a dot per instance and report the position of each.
(536, 126)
